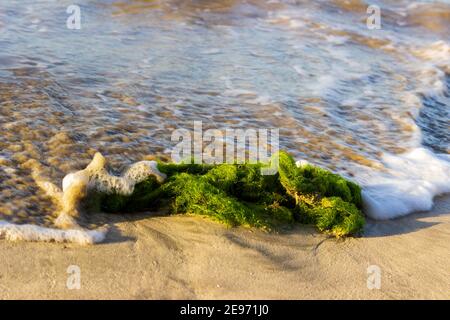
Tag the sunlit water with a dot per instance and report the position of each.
(360, 102)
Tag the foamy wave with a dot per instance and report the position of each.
(410, 181)
(436, 63)
(96, 177)
(75, 187)
(438, 53)
(29, 232)
(409, 184)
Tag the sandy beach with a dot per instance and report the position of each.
(182, 257)
(347, 100)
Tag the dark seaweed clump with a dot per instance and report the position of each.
(237, 194)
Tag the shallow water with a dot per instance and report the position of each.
(360, 102)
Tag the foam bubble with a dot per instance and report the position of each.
(28, 232)
(408, 184)
(302, 163)
(101, 180)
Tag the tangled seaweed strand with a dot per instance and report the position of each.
(237, 194)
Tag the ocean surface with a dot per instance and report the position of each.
(371, 104)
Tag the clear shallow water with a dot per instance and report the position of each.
(360, 102)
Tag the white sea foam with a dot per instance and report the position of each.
(96, 177)
(411, 180)
(75, 186)
(29, 232)
(301, 163)
(433, 67)
(437, 53)
(408, 184)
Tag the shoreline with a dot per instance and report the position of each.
(187, 257)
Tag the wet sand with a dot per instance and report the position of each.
(193, 258)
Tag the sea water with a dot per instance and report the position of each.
(371, 104)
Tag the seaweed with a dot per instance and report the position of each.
(332, 215)
(322, 198)
(238, 194)
(196, 195)
(171, 169)
(144, 196)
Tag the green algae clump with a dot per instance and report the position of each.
(145, 194)
(238, 194)
(196, 195)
